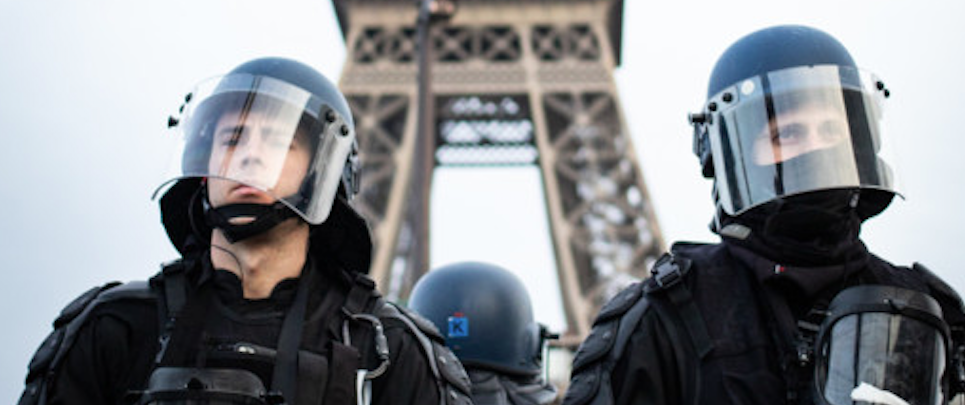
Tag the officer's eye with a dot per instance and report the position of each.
(787, 134)
(230, 137)
(277, 140)
(832, 130)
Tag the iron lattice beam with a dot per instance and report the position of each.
(513, 83)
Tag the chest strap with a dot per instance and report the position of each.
(285, 374)
(668, 274)
(349, 379)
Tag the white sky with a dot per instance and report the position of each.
(86, 88)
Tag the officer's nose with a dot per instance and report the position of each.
(252, 151)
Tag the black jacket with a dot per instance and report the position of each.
(491, 388)
(745, 301)
(115, 351)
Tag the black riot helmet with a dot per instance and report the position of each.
(273, 125)
(882, 345)
(485, 314)
(788, 113)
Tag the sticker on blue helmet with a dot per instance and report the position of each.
(458, 325)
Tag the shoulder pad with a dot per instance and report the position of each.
(75, 314)
(615, 323)
(949, 299)
(48, 356)
(424, 325)
(620, 303)
(600, 340)
(594, 360)
(589, 386)
(75, 307)
(596, 345)
(456, 388)
(50, 347)
(131, 290)
(611, 332)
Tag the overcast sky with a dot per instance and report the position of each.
(86, 88)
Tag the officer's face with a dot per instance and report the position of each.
(250, 145)
(794, 132)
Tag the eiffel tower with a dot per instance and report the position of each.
(501, 82)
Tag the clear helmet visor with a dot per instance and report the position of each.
(886, 349)
(798, 130)
(259, 140)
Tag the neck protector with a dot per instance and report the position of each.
(811, 229)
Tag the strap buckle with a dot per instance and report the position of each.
(666, 273)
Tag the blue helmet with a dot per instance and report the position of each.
(485, 314)
(789, 113)
(773, 49)
(304, 108)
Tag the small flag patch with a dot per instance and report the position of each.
(458, 325)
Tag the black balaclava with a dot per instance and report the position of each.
(816, 228)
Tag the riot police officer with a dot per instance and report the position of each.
(269, 303)
(790, 136)
(486, 316)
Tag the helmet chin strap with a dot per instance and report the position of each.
(266, 216)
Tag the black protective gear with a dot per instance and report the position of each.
(485, 314)
(51, 354)
(205, 387)
(789, 113)
(489, 388)
(765, 51)
(881, 343)
(266, 216)
(790, 135)
(242, 126)
(301, 75)
(344, 237)
(756, 312)
(809, 230)
(107, 343)
(776, 48)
